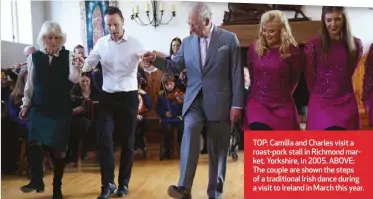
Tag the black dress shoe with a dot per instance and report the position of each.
(33, 186)
(122, 191)
(107, 190)
(179, 192)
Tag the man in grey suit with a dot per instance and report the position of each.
(214, 97)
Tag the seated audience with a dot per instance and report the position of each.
(12, 127)
(15, 102)
(82, 128)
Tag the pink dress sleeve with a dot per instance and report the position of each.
(310, 64)
(297, 66)
(368, 76)
(249, 63)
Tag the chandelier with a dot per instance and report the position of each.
(154, 15)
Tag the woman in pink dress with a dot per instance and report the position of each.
(275, 65)
(331, 60)
(368, 85)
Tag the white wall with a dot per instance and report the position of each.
(38, 18)
(67, 13)
(12, 53)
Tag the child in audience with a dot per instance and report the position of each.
(169, 108)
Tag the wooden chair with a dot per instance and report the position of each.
(90, 107)
(155, 130)
(153, 134)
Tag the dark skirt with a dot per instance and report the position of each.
(51, 131)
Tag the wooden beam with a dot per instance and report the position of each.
(247, 34)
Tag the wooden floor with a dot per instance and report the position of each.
(150, 179)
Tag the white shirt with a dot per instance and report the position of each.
(119, 61)
(74, 76)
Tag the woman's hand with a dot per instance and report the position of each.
(23, 113)
(78, 61)
(78, 110)
(182, 75)
(142, 92)
(367, 110)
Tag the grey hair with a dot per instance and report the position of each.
(203, 10)
(48, 28)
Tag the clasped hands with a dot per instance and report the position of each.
(78, 61)
(235, 113)
(148, 56)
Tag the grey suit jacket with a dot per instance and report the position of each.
(221, 78)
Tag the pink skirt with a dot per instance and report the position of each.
(324, 113)
(278, 116)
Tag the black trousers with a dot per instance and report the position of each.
(121, 107)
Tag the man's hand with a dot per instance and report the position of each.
(23, 113)
(235, 114)
(148, 56)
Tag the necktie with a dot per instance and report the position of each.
(204, 48)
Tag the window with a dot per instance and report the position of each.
(16, 24)
(6, 20)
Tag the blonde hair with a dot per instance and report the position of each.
(287, 38)
(50, 27)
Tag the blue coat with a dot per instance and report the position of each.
(162, 108)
